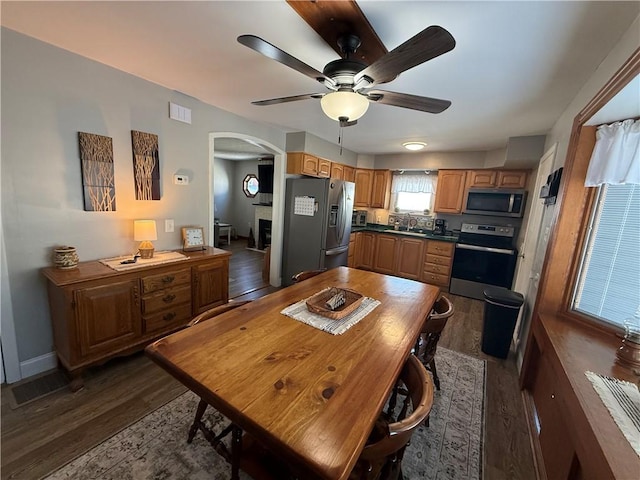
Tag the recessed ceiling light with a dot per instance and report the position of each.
(413, 146)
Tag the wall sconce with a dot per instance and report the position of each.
(144, 231)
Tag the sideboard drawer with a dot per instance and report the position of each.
(177, 315)
(164, 299)
(152, 283)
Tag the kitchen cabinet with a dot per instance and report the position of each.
(365, 246)
(410, 258)
(337, 171)
(481, 178)
(364, 184)
(437, 263)
(372, 188)
(352, 250)
(98, 313)
(349, 173)
(386, 253)
(324, 168)
(496, 178)
(512, 179)
(450, 191)
(380, 189)
(301, 163)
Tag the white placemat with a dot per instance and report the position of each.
(158, 259)
(623, 402)
(298, 311)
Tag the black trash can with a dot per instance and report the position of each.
(501, 308)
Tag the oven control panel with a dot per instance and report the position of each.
(497, 230)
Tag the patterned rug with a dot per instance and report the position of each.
(155, 447)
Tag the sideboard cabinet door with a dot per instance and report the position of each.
(108, 317)
(211, 285)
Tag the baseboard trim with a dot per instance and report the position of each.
(37, 365)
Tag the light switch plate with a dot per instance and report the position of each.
(168, 225)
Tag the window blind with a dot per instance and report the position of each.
(609, 282)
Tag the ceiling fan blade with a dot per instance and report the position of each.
(429, 43)
(333, 19)
(294, 98)
(273, 52)
(405, 100)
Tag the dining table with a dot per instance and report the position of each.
(308, 396)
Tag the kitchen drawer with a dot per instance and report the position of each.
(165, 280)
(437, 259)
(435, 278)
(439, 269)
(178, 315)
(166, 299)
(440, 248)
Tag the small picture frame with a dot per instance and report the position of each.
(192, 238)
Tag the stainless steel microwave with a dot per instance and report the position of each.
(496, 202)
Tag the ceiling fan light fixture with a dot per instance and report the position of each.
(344, 104)
(414, 146)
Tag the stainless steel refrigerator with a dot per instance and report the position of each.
(317, 224)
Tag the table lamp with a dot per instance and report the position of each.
(144, 231)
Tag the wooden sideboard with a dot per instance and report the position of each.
(574, 435)
(98, 313)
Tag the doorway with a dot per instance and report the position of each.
(254, 146)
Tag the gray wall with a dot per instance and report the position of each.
(48, 96)
(431, 160)
(223, 186)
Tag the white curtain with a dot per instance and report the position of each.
(616, 156)
(413, 183)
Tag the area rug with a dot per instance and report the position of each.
(155, 447)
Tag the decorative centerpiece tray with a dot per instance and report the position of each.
(335, 303)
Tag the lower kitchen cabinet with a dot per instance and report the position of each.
(351, 259)
(98, 313)
(386, 253)
(410, 255)
(365, 246)
(437, 263)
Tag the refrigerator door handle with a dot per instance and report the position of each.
(341, 213)
(336, 251)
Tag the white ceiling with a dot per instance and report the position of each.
(515, 68)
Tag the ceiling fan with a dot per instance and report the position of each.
(351, 80)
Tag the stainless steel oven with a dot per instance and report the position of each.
(484, 255)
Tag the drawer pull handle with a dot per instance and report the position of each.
(169, 316)
(169, 298)
(168, 279)
(553, 396)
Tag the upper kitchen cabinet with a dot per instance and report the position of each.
(496, 178)
(349, 173)
(337, 171)
(364, 184)
(481, 178)
(512, 179)
(301, 163)
(450, 191)
(381, 189)
(372, 188)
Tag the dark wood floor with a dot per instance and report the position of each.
(41, 436)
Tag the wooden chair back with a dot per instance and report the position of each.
(299, 277)
(381, 459)
(215, 311)
(434, 325)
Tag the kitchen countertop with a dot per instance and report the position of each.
(420, 233)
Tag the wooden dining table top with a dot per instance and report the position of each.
(309, 396)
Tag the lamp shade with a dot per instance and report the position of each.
(144, 230)
(350, 105)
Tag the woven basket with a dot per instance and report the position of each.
(316, 304)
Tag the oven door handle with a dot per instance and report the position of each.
(484, 249)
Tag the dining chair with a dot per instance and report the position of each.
(427, 343)
(381, 458)
(300, 276)
(214, 439)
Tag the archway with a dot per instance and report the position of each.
(277, 227)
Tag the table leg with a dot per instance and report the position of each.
(236, 450)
